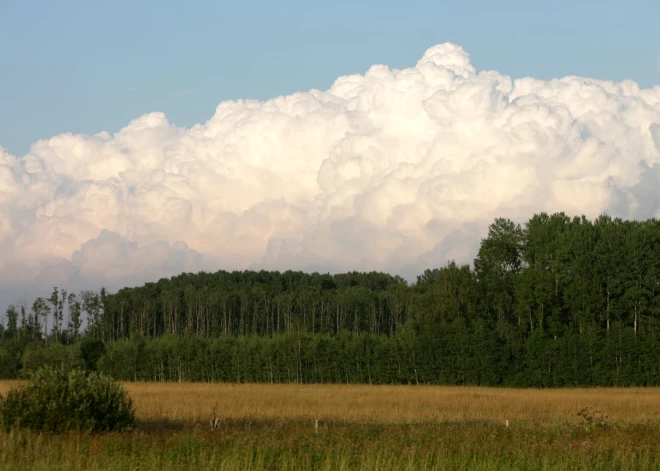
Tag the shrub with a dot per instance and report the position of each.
(56, 400)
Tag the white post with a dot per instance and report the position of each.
(316, 426)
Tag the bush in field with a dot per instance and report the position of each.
(57, 400)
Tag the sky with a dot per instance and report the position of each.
(142, 139)
(83, 67)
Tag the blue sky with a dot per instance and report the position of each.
(81, 66)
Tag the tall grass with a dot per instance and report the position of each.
(360, 427)
(339, 446)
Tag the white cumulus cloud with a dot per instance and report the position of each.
(395, 170)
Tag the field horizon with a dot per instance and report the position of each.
(193, 402)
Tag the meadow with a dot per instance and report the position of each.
(272, 426)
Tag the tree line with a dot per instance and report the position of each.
(556, 301)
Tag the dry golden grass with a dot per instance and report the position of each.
(192, 402)
(7, 384)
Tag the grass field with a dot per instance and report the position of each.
(360, 427)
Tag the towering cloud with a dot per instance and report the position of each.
(392, 170)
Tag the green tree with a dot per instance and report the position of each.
(498, 262)
(12, 321)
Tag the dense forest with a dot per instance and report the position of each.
(558, 301)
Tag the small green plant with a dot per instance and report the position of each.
(56, 400)
(593, 418)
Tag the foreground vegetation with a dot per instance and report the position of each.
(292, 446)
(360, 427)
